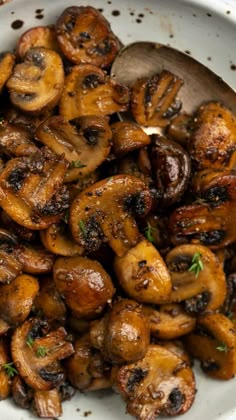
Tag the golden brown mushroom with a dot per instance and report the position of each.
(5, 380)
(22, 395)
(101, 213)
(123, 334)
(80, 277)
(213, 343)
(143, 274)
(36, 84)
(159, 383)
(127, 137)
(85, 36)
(35, 259)
(15, 141)
(179, 128)
(32, 191)
(37, 356)
(7, 61)
(153, 99)
(47, 403)
(58, 240)
(39, 36)
(88, 90)
(10, 266)
(85, 142)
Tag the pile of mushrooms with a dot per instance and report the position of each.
(117, 248)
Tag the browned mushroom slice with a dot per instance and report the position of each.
(39, 36)
(85, 142)
(34, 258)
(47, 403)
(5, 384)
(125, 332)
(26, 121)
(159, 383)
(86, 368)
(126, 137)
(36, 84)
(16, 299)
(101, 213)
(15, 141)
(58, 240)
(85, 36)
(211, 222)
(77, 277)
(143, 274)
(37, 355)
(170, 321)
(10, 266)
(171, 169)
(180, 128)
(177, 347)
(7, 61)
(49, 303)
(196, 273)
(213, 343)
(153, 99)
(213, 141)
(89, 91)
(22, 395)
(32, 191)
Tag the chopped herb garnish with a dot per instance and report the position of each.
(76, 164)
(41, 351)
(197, 264)
(149, 230)
(10, 369)
(223, 348)
(29, 341)
(82, 227)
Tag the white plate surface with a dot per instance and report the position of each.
(207, 31)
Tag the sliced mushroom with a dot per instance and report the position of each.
(84, 142)
(16, 299)
(85, 36)
(47, 403)
(39, 36)
(32, 191)
(196, 273)
(34, 258)
(26, 121)
(36, 84)
(7, 61)
(127, 137)
(153, 99)
(37, 355)
(58, 240)
(179, 128)
(15, 141)
(171, 169)
(77, 277)
(89, 91)
(143, 274)
(5, 383)
(22, 395)
(213, 343)
(170, 321)
(10, 266)
(211, 221)
(101, 213)
(125, 332)
(86, 368)
(159, 383)
(213, 141)
(49, 303)
(177, 347)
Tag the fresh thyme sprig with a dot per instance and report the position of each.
(29, 341)
(197, 264)
(77, 164)
(223, 348)
(148, 231)
(10, 369)
(41, 351)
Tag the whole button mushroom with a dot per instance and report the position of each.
(85, 285)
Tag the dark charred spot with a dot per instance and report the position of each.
(174, 109)
(38, 60)
(198, 303)
(91, 81)
(66, 391)
(92, 235)
(213, 237)
(175, 401)
(136, 203)
(149, 90)
(216, 195)
(203, 331)
(16, 179)
(103, 48)
(210, 366)
(142, 263)
(136, 376)
(84, 36)
(70, 24)
(38, 329)
(25, 96)
(91, 134)
(58, 204)
(55, 378)
(180, 263)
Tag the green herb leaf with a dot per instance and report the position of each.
(197, 264)
(223, 348)
(76, 164)
(41, 351)
(29, 341)
(149, 230)
(10, 369)
(82, 227)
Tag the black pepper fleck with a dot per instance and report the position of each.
(17, 24)
(171, 36)
(100, 10)
(187, 52)
(233, 67)
(209, 14)
(115, 13)
(131, 13)
(39, 16)
(209, 58)
(228, 12)
(39, 11)
(141, 15)
(138, 20)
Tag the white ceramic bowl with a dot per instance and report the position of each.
(207, 30)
